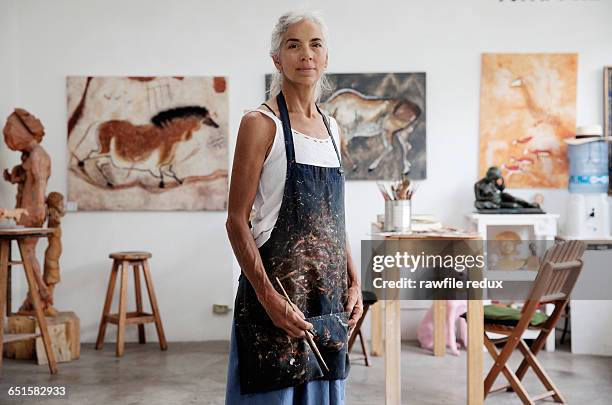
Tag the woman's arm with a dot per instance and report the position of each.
(255, 137)
(354, 303)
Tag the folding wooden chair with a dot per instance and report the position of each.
(555, 281)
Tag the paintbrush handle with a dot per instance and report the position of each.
(308, 334)
(315, 349)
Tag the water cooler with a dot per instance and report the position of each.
(588, 213)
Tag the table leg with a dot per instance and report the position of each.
(40, 316)
(475, 381)
(393, 353)
(439, 324)
(377, 328)
(4, 259)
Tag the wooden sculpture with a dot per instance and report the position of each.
(23, 133)
(55, 212)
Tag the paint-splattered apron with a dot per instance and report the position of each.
(306, 250)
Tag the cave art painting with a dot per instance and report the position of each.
(147, 143)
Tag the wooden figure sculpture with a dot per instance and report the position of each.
(55, 212)
(23, 133)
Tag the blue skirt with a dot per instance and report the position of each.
(317, 392)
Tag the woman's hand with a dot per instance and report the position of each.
(284, 317)
(354, 306)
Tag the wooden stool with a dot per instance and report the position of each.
(121, 262)
(369, 298)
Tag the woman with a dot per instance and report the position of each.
(287, 167)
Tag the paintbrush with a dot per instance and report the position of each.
(390, 193)
(412, 190)
(309, 335)
(402, 188)
(383, 191)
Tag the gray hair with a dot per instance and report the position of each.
(282, 26)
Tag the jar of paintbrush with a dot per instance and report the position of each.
(398, 205)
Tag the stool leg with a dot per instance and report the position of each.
(363, 348)
(40, 317)
(4, 259)
(122, 311)
(141, 327)
(158, 323)
(107, 305)
(357, 328)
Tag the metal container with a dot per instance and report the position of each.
(388, 223)
(401, 215)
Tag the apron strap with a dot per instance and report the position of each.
(284, 116)
(326, 122)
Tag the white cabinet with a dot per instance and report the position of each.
(591, 309)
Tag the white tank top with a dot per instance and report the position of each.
(308, 150)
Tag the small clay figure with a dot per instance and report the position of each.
(55, 212)
(23, 132)
(491, 198)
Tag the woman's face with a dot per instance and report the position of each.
(303, 54)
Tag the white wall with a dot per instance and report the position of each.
(8, 88)
(192, 265)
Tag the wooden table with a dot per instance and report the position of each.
(387, 320)
(19, 235)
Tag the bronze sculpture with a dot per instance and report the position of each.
(491, 198)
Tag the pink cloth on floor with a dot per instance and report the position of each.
(454, 310)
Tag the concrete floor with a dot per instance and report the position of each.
(195, 373)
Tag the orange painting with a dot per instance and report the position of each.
(527, 107)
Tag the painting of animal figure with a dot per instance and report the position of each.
(147, 143)
(527, 108)
(382, 117)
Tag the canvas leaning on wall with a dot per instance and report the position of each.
(147, 143)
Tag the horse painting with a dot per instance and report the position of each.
(149, 148)
(365, 116)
